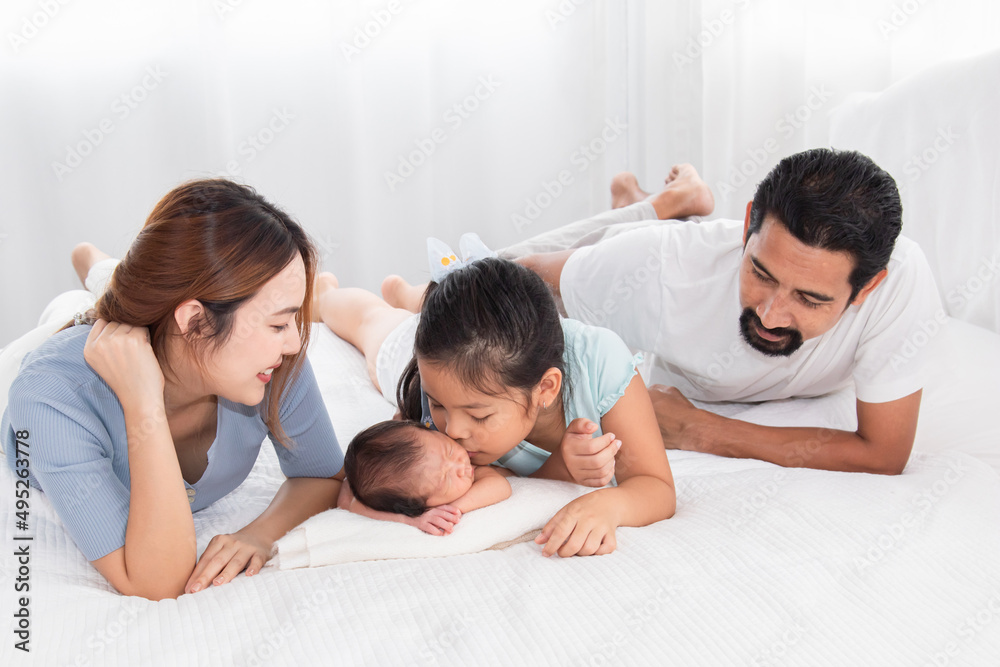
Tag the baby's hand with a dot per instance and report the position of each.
(590, 460)
(438, 520)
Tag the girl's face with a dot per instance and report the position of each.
(264, 333)
(486, 426)
(445, 472)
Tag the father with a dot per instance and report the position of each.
(811, 290)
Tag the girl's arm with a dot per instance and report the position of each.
(645, 492)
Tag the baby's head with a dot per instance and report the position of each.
(489, 351)
(402, 467)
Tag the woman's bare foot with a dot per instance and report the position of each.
(84, 256)
(400, 294)
(323, 283)
(684, 194)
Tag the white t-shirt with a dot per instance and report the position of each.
(672, 289)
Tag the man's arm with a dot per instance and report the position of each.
(549, 266)
(881, 444)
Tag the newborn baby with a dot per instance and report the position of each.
(401, 471)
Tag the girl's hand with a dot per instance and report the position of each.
(585, 527)
(589, 460)
(438, 520)
(122, 356)
(225, 557)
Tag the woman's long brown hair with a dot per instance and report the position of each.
(218, 242)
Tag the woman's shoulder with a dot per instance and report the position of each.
(57, 361)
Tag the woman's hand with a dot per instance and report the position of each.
(225, 557)
(590, 460)
(122, 356)
(438, 520)
(585, 527)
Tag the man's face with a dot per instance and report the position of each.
(789, 291)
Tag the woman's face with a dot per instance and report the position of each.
(264, 333)
(486, 426)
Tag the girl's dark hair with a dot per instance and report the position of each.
(380, 461)
(494, 324)
(218, 242)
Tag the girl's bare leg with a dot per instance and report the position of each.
(84, 256)
(400, 294)
(356, 315)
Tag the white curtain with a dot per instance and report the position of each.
(375, 123)
(735, 85)
(379, 122)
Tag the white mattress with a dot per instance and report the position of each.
(761, 565)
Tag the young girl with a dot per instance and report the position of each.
(401, 471)
(495, 369)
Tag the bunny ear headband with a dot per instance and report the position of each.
(443, 260)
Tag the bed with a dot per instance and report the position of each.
(761, 564)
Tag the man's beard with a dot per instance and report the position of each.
(790, 342)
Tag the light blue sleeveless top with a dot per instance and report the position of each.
(600, 368)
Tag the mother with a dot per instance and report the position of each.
(159, 408)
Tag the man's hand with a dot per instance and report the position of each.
(590, 460)
(676, 416)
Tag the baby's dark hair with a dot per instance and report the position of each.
(494, 324)
(379, 465)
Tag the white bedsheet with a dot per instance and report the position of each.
(761, 565)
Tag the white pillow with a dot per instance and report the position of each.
(937, 133)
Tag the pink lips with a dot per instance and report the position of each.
(266, 377)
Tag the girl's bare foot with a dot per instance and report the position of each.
(400, 294)
(84, 256)
(322, 284)
(684, 194)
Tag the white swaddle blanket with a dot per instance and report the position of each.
(338, 536)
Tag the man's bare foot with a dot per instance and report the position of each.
(684, 194)
(625, 190)
(84, 256)
(400, 294)
(323, 283)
